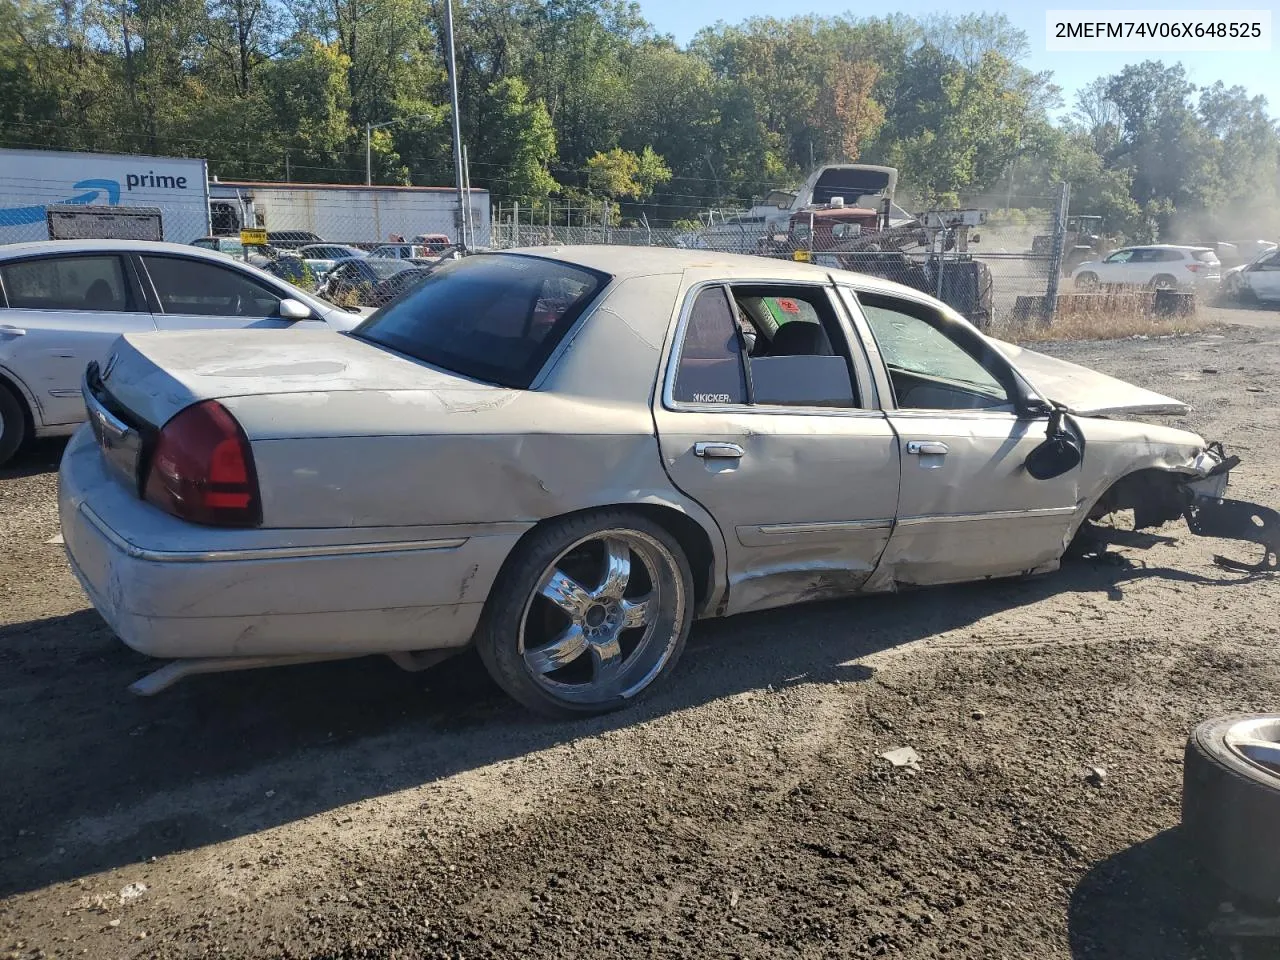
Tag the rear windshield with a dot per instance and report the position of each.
(1207, 256)
(494, 317)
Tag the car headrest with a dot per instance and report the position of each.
(100, 296)
(799, 338)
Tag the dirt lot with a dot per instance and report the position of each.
(351, 810)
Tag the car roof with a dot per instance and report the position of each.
(1164, 246)
(38, 247)
(622, 262)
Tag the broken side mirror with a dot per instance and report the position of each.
(1060, 452)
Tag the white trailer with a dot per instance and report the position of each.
(33, 180)
(343, 213)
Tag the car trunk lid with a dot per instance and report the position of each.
(1083, 391)
(150, 377)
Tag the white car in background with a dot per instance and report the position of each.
(63, 303)
(1259, 280)
(321, 257)
(1157, 267)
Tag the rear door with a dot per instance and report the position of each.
(193, 294)
(781, 442)
(62, 312)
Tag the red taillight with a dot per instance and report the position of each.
(202, 469)
(1194, 267)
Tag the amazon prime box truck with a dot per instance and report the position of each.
(33, 180)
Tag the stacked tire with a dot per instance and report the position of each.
(1231, 803)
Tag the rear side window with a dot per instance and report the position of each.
(710, 368)
(67, 283)
(766, 346)
(208, 290)
(495, 317)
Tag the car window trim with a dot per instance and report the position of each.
(676, 346)
(231, 268)
(132, 303)
(1019, 396)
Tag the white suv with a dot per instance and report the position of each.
(1157, 267)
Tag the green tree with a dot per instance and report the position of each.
(519, 144)
(620, 173)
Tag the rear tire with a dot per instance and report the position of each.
(589, 612)
(13, 423)
(1087, 281)
(1164, 282)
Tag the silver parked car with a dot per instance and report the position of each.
(320, 257)
(1258, 280)
(64, 302)
(566, 455)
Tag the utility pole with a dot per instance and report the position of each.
(368, 155)
(457, 122)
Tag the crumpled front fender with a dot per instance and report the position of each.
(1209, 514)
(1196, 493)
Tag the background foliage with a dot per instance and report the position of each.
(583, 99)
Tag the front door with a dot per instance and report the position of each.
(64, 311)
(194, 294)
(776, 434)
(968, 508)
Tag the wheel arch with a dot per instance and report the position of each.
(1153, 493)
(30, 406)
(696, 532)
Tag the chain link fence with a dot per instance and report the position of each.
(1001, 272)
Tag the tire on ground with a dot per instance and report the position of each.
(1231, 811)
(497, 636)
(13, 423)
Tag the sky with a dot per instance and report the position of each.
(1257, 72)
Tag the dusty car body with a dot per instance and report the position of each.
(686, 434)
(1258, 280)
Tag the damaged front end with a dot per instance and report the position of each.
(1159, 496)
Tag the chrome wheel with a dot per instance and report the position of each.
(1257, 741)
(604, 618)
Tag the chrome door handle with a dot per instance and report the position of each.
(8, 330)
(922, 448)
(717, 451)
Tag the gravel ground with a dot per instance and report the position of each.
(351, 810)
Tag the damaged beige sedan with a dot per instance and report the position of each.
(566, 455)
